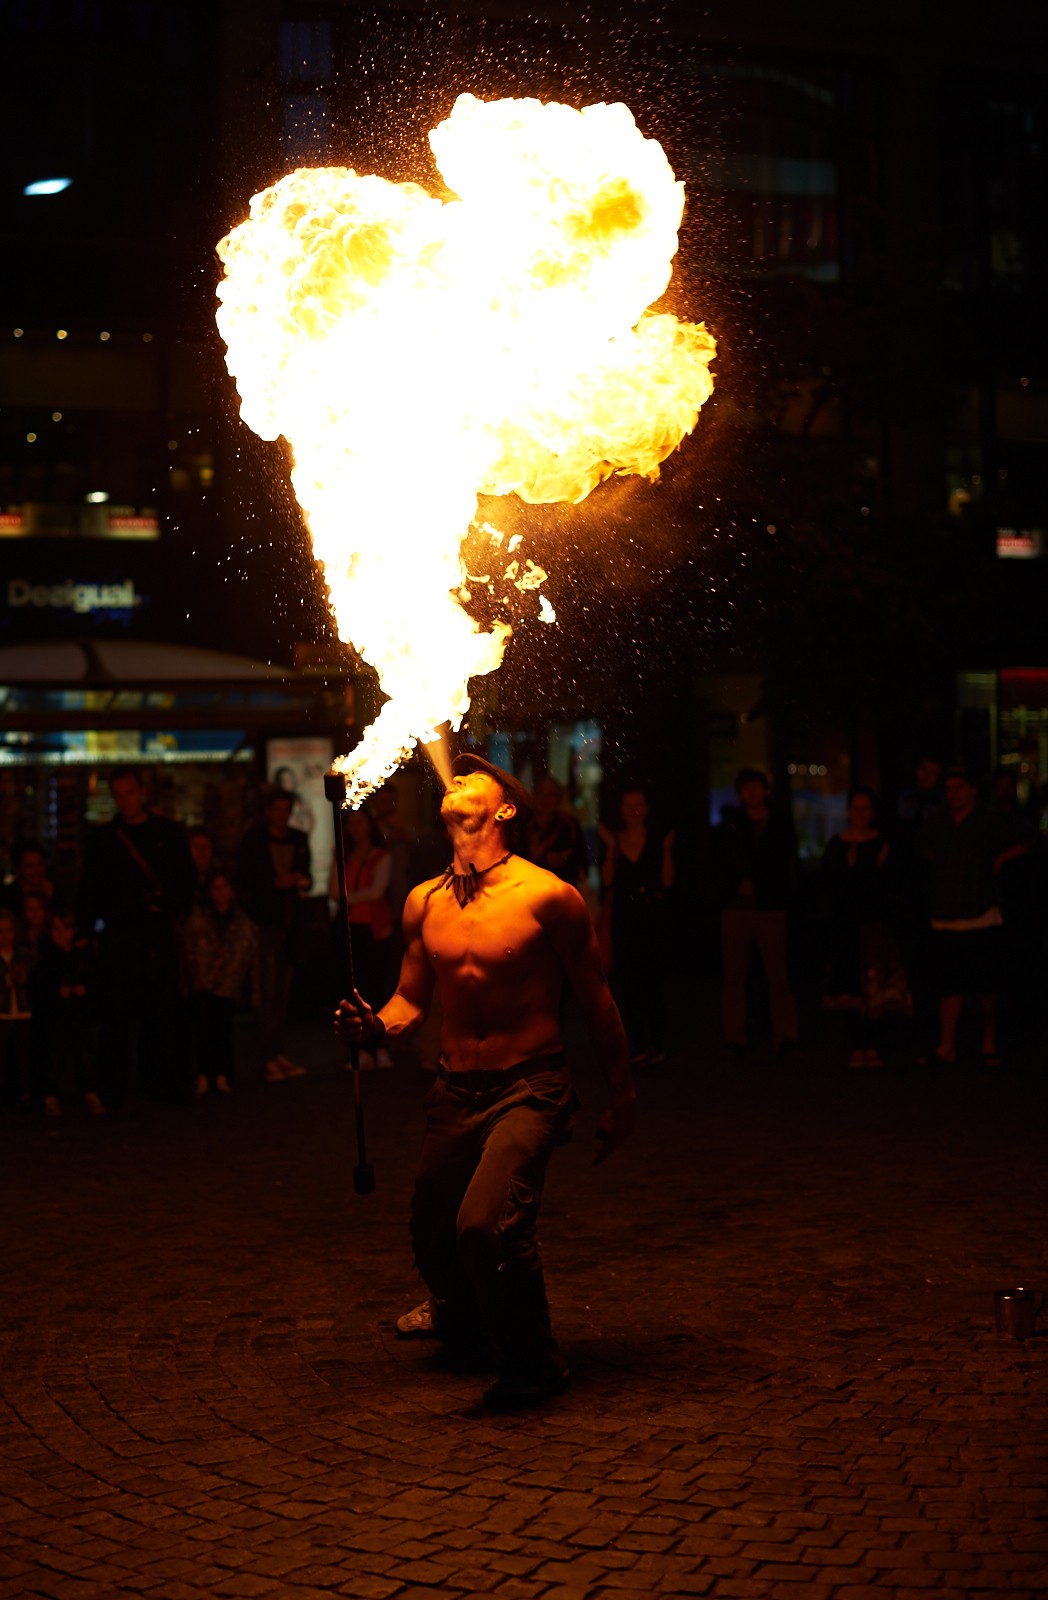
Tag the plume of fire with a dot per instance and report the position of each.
(418, 351)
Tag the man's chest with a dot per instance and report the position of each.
(481, 939)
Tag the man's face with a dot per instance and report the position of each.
(634, 808)
(547, 797)
(960, 794)
(129, 798)
(753, 793)
(474, 798)
(278, 813)
(221, 895)
(34, 911)
(31, 868)
(62, 933)
(201, 851)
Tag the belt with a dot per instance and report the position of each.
(485, 1082)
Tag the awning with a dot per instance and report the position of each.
(77, 684)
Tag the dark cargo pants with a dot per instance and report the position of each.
(474, 1211)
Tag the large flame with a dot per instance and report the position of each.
(416, 352)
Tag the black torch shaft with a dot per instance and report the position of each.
(335, 789)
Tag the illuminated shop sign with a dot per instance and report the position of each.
(94, 521)
(1020, 544)
(81, 598)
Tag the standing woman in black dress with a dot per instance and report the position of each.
(637, 875)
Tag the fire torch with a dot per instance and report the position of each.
(335, 792)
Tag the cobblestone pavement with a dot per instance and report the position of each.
(777, 1305)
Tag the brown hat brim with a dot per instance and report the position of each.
(512, 787)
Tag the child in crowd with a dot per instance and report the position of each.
(63, 987)
(16, 1018)
(221, 950)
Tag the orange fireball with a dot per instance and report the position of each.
(417, 352)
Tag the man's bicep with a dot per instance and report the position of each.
(415, 984)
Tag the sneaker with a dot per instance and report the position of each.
(201, 1086)
(52, 1106)
(288, 1068)
(94, 1104)
(418, 1323)
(513, 1393)
(222, 1084)
(638, 1058)
(274, 1072)
(383, 1059)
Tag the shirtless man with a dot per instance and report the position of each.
(499, 937)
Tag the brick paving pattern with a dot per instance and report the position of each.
(777, 1305)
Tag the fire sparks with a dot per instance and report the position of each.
(417, 352)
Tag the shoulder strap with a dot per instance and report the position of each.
(140, 861)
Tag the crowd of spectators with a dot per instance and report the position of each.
(138, 977)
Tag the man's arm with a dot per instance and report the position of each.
(409, 1006)
(571, 932)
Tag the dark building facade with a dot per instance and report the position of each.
(844, 564)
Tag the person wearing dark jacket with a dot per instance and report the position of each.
(756, 860)
(137, 883)
(273, 872)
(966, 846)
(64, 987)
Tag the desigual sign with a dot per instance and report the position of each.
(69, 596)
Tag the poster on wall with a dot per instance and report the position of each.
(299, 765)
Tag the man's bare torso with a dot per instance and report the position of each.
(499, 977)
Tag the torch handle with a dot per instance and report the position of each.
(343, 906)
(363, 1175)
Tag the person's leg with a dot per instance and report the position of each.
(269, 978)
(204, 1032)
(286, 969)
(14, 1062)
(50, 1054)
(628, 989)
(651, 973)
(498, 1218)
(81, 1055)
(770, 933)
(166, 1056)
(447, 1161)
(8, 1084)
(223, 1012)
(736, 942)
(988, 1019)
(950, 1008)
(22, 1048)
(119, 1006)
(988, 951)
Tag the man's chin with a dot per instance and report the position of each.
(456, 812)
